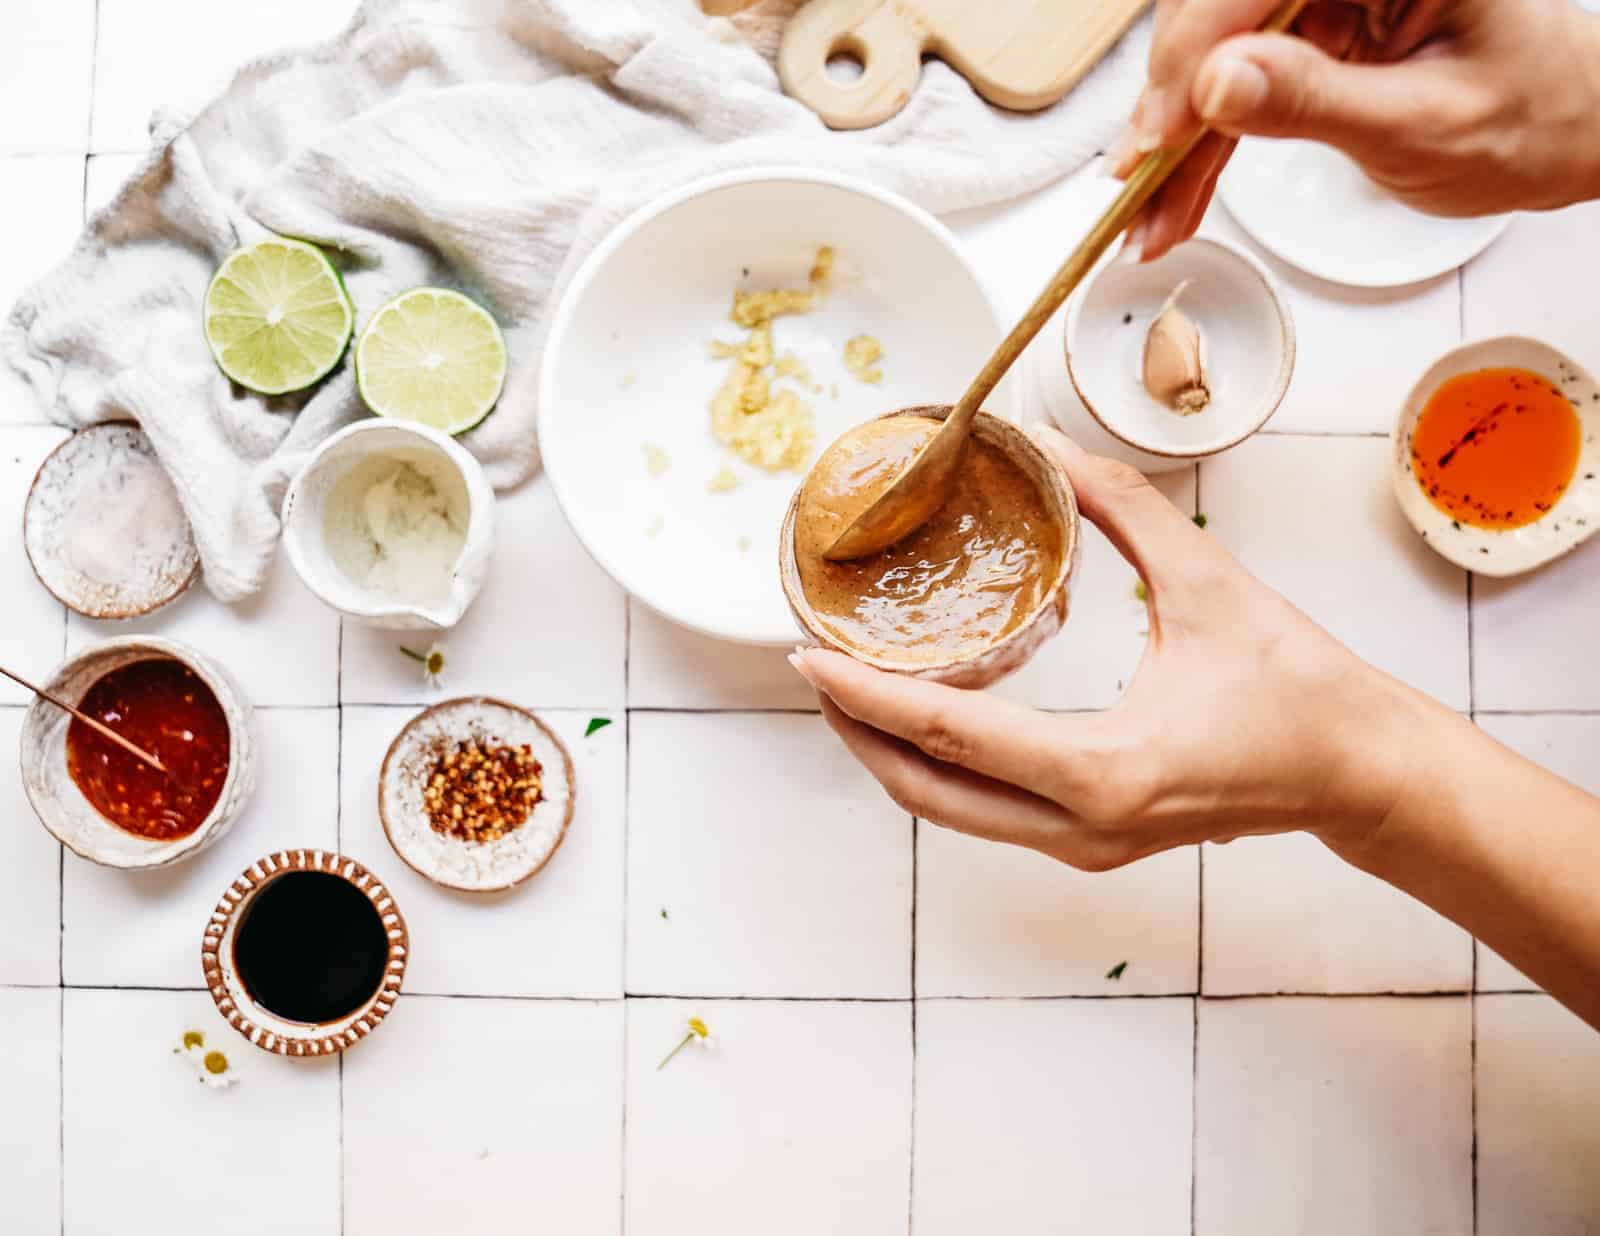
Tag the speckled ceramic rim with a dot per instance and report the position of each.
(463, 702)
(235, 1004)
(1006, 655)
(233, 796)
(1286, 331)
(115, 613)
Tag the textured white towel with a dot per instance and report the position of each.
(481, 144)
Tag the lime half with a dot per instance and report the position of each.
(277, 316)
(431, 356)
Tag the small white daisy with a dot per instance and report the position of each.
(696, 1032)
(432, 663)
(212, 1067)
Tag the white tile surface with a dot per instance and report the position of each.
(1285, 914)
(1315, 518)
(30, 1100)
(1567, 746)
(32, 632)
(1358, 350)
(42, 211)
(546, 632)
(30, 910)
(797, 1122)
(126, 928)
(1530, 634)
(786, 876)
(1329, 1117)
(178, 54)
(1017, 1132)
(999, 920)
(282, 644)
(1094, 658)
(1538, 1140)
(558, 934)
(673, 667)
(461, 1114)
(149, 1148)
(1539, 280)
(45, 61)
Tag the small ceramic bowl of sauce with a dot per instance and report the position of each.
(971, 595)
(104, 804)
(305, 953)
(1497, 456)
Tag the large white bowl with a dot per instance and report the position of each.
(627, 364)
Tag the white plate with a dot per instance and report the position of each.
(1317, 210)
(627, 364)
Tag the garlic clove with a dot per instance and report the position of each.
(1175, 359)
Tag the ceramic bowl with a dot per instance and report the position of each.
(473, 867)
(1576, 514)
(1009, 653)
(103, 527)
(305, 510)
(627, 365)
(261, 1026)
(1249, 337)
(61, 806)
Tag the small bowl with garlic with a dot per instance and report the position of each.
(391, 523)
(1179, 358)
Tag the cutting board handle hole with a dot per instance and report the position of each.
(847, 60)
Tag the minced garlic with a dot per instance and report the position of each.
(655, 459)
(725, 481)
(860, 355)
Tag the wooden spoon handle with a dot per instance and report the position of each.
(1149, 176)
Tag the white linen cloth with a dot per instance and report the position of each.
(481, 144)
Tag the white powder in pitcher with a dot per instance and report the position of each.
(396, 525)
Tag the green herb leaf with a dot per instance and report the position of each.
(1200, 521)
(664, 912)
(596, 723)
(1116, 971)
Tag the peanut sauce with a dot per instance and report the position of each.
(1496, 448)
(971, 575)
(162, 706)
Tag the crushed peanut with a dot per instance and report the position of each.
(480, 791)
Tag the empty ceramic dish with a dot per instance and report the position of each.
(1564, 524)
(1247, 341)
(103, 526)
(62, 806)
(412, 763)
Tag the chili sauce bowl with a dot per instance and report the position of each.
(990, 662)
(305, 509)
(62, 807)
(240, 1008)
(1571, 520)
(1097, 395)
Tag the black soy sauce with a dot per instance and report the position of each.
(310, 947)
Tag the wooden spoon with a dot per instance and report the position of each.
(103, 730)
(923, 487)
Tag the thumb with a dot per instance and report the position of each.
(1275, 85)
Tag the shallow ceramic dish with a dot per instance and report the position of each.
(103, 527)
(627, 365)
(473, 867)
(1576, 514)
(61, 806)
(264, 1028)
(1249, 345)
(1009, 653)
(305, 511)
(1316, 209)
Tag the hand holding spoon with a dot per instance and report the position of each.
(919, 491)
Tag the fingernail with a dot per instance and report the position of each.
(797, 660)
(1132, 146)
(1133, 243)
(1238, 89)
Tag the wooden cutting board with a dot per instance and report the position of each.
(1022, 54)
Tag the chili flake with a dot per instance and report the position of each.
(482, 790)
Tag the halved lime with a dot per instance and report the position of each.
(277, 316)
(431, 356)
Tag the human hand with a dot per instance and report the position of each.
(1459, 107)
(1244, 715)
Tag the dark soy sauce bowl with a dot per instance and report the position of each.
(368, 953)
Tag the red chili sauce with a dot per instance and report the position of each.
(163, 707)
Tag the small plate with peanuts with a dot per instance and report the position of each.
(476, 794)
